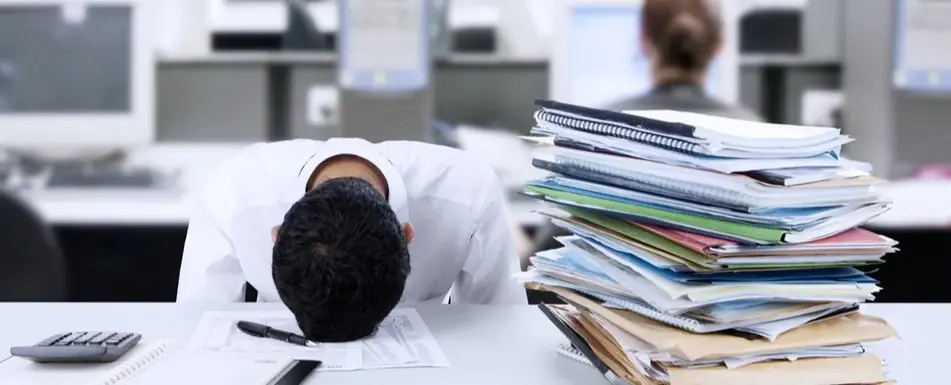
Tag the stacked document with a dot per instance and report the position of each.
(709, 250)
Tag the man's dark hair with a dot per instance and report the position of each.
(340, 261)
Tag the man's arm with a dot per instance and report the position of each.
(491, 260)
(210, 270)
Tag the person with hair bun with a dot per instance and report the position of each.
(680, 38)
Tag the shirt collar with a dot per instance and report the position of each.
(358, 147)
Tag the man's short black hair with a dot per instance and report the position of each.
(340, 261)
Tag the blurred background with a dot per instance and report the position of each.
(112, 112)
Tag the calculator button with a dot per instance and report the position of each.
(50, 341)
(100, 338)
(86, 338)
(116, 339)
(73, 337)
(66, 339)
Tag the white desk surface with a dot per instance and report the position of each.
(116, 207)
(485, 345)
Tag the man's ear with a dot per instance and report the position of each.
(274, 231)
(408, 233)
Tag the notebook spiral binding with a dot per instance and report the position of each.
(573, 354)
(616, 131)
(137, 363)
(658, 185)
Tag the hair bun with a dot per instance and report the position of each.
(685, 41)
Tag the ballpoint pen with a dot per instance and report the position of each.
(264, 331)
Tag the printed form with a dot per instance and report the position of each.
(403, 340)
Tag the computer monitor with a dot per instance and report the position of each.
(921, 59)
(75, 74)
(597, 59)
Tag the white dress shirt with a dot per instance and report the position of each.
(454, 202)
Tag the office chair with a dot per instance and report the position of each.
(302, 32)
(32, 265)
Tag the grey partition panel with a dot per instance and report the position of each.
(799, 79)
(867, 81)
(204, 102)
(751, 88)
(303, 77)
(228, 101)
(922, 133)
(380, 116)
(499, 94)
(486, 93)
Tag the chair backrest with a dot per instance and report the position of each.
(32, 265)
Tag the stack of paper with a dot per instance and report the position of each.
(676, 230)
(641, 351)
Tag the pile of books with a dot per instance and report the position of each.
(706, 250)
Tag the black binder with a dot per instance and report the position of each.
(579, 343)
(654, 125)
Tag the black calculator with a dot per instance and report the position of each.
(79, 347)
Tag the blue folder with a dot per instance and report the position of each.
(787, 219)
(836, 275)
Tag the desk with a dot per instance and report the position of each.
(127, 245)
(134, 208)
(485, 345)
(917, 204)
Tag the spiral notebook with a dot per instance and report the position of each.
(621, 132)
(573, 354)
(150, 364)
(684, 130)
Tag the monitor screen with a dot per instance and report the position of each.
(922, 35)
(54, 59)
(606, 62)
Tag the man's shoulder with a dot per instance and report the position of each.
(436, 157)
(257, 174)
(268, 157)
(440, 171)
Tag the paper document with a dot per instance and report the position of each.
(403, 340)
(217, 331)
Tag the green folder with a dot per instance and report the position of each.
(641, 235)
(736, 229)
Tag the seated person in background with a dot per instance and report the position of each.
(341, 231)
(680, 38)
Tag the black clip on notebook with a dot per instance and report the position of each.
(579, 343)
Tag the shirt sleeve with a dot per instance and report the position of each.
(210, 270)
(491, 261)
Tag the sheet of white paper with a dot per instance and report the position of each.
(407, 331)
(403, 340)
(217, 331)
(822, 352)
